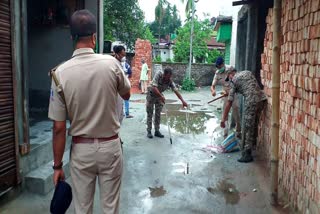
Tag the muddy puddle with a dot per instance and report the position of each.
(228, 190)
(198, 120)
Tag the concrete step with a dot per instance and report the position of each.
(40, 154)
(40, 180)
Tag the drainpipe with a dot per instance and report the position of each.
(275, 100)
(191, 39)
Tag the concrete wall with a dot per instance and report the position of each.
(201, 73)
(47, 47)
(92, 6)
(299, 166)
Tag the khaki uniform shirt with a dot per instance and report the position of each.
(91, 84)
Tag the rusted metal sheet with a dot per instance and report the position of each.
(8, 163)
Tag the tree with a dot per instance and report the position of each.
(148, 35)
(123, 20)
(170, 22)
(188, 9)
(202, 33)
(213, 55)
(159, 14)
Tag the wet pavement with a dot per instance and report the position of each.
(184, 177)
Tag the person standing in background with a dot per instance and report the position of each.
(144, 77)
(128, 72)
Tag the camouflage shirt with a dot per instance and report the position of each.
(161, 84)
(246, 84)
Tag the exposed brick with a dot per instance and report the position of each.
(314, 5)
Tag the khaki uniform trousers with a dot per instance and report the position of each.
(90, 161)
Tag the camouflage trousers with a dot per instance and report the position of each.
(153, 103)
(235, 114)
(252, 113)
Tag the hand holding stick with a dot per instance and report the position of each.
(224, 95)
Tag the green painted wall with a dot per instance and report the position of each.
(227, 53)
(224, 32)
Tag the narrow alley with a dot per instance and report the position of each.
(185, 177)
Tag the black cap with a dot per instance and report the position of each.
(61, 199)
(219, 61)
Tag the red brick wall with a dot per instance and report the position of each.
(143, 50)
(299, 167)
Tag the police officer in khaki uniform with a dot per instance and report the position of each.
(219, 79)
(255, 101)
(91, 84)
(155, 99)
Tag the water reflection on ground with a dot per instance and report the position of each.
(194, 121)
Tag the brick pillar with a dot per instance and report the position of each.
(143, 50)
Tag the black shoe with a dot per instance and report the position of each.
(149, 135)
(246, 157)
(158, 134)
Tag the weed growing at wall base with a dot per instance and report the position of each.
(188, 84)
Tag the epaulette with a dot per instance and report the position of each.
(53, 75)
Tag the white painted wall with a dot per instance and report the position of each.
(234, 39)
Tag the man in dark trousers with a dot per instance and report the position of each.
(155, 99)
(245, 83)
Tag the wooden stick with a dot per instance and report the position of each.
(217, 98)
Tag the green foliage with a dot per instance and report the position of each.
(188, 84)
(169, 60)
(123, 20)
(202, 33)
(157, 59)
(167, 20)
(188, 8)
(213, 55)
(148, 35)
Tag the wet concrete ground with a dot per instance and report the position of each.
(184, 177)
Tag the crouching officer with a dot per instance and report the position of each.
(155, 99)
(246, 84)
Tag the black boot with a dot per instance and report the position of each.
(158, 134)
(149, 135)
(246, 157)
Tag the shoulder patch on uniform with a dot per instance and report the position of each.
(51, 94)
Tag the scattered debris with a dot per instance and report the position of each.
(254, 190)
(157, 191)
(230, 190)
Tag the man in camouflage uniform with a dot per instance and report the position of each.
(155, 99)
(255, 100)
(219, 79)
